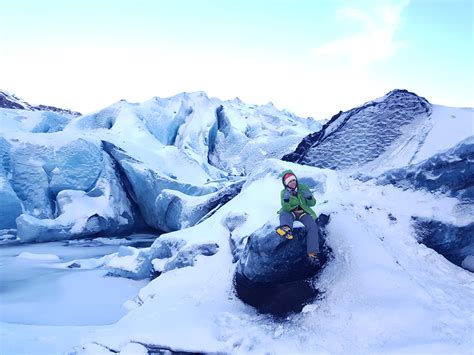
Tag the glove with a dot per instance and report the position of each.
(307, 195)
(286, 196)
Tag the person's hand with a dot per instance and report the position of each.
(293, 192)
(307, 195)
(286, 196)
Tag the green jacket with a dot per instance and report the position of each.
(297, 200)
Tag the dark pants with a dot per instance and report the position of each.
(312, 232)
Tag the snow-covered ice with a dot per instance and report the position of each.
(38, 288)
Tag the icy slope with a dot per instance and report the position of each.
(398, 129)
(383, 292)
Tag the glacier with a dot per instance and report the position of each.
(158, 164)
(204, 174)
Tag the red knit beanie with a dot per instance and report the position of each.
(288, 177)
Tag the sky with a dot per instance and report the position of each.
(312, 57)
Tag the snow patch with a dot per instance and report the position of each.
(38, 257)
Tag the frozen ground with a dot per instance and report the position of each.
(39, 289)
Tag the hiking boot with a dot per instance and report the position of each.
(314, 259)
(285, 231)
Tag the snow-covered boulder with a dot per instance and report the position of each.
(167, 253)
(130, 262)
(137, 264)
(273, 272)
(268, 257)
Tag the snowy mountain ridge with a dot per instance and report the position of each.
(10, 101)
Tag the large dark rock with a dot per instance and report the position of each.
(273, 272)
(278, 299)
(269, 257)
(356, 137)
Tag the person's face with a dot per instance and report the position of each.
(292, 184)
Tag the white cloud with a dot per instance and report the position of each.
(373, 43)
(337, 75)
(344, 67)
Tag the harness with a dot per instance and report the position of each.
(298, 213)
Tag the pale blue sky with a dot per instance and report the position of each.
(311, 57)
